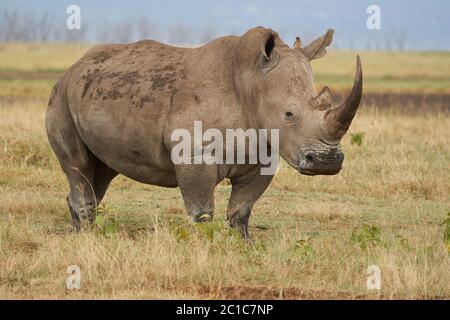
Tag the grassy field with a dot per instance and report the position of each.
(32, 69)
(314, 237)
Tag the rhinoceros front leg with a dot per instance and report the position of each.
(197, 184)
(245, 192)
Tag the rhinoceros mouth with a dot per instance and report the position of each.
(312, 162)
(308, 172)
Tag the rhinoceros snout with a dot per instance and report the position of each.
(314, 163)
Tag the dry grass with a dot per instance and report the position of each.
(314, 237)
(32, 69)
(406, 72)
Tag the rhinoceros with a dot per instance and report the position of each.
(113, 112)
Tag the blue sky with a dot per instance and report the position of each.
(422, 25)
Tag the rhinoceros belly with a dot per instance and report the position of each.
(128, 139)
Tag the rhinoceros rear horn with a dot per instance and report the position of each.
(317, 48)
(338, 120)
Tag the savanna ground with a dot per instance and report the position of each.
(313, 237)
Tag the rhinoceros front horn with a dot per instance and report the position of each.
(338, 120)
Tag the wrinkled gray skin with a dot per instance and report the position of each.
(113, 112)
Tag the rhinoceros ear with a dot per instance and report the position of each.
(256, 44)
(269, 44)
(252, 56)
(316, 49)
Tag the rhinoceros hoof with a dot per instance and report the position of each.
(205, 217)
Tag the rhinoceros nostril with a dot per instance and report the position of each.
(310, 157)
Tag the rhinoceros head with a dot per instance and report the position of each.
(275, 85)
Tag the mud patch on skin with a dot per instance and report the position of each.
(143, 100)
(135, 84)
(105, 52)
(116, 81)
(124, 78)
(163, 77)
(101, 57)
(114, 94)
(160, 81)
(130, 77)
(98, 93)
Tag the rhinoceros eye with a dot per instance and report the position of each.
(289, 116)
(288, 113)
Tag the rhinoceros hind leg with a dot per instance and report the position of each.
(88, 178)
(81, 199)
(87, 189)
(103, 176)
(245, 191)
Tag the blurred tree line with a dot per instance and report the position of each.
(28, 27)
